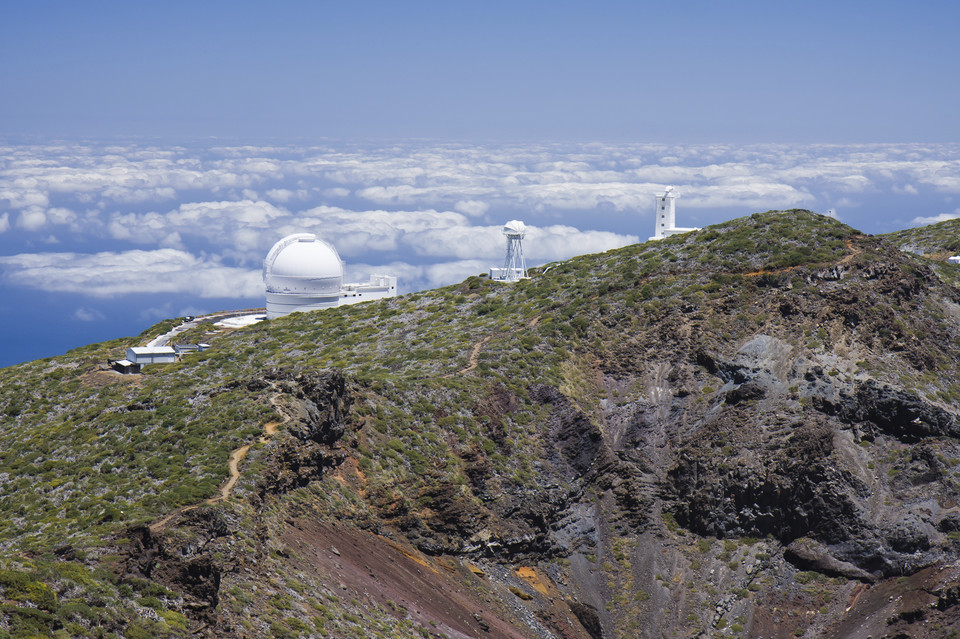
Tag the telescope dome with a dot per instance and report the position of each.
(514, 227)
(303, 264)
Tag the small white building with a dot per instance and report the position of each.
(182, 349)
(144, 355)
(303, 273)
(954, 259)
(666, 215)
(378, 286)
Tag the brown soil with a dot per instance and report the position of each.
(854, 251)
(921, 606)
(438, 594)
(101, 378)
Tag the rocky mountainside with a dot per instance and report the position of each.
(940, 240)
(747, 431)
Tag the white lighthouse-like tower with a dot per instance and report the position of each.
(514, 266)
(666, 215)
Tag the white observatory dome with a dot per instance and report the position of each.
(514, 227)
(301, 273)
(303, 263)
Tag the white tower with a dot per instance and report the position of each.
(514, 266)
(666, 213)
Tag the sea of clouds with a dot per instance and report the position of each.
(192, 222)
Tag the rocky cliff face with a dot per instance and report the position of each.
(749, 431)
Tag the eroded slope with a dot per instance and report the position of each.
(745, 431)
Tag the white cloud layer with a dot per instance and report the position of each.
(470, 180)
(109, 274)
(198, 221)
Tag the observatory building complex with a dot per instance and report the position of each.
(303, 273)
(666, 215)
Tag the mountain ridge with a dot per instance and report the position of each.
(711, 435)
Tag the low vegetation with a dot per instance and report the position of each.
(444, 424)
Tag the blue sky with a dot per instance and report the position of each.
(151, 153)
(681, 71)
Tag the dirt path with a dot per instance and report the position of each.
(237, 455)
(233, 465)
(473, 360)
(855, 595)
(270, 429)
(854, 251)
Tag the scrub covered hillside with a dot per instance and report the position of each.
(750, 430)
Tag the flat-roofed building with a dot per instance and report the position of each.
(144, 355)
(125, 366)
(190, 348)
